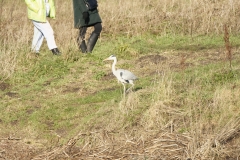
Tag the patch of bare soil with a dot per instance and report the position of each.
(149, 65)
(4, 86)
(15, 149)
(108, 76)
(150, 59)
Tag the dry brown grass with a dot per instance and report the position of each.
(129, 17)
(162, 17)
(124, 17)
(102, 145)
(8, 64)
(228, 45)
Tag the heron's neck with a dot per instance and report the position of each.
(113, 65)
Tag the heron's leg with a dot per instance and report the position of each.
(124, 90)
(130, 88)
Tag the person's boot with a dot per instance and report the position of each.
(83, 46)
(91, 42)
(55, 51)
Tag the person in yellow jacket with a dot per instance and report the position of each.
(38, 11)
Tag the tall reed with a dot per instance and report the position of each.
(228, 45)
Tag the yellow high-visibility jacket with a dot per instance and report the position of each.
(37, 10)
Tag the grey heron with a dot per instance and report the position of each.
(124, 76)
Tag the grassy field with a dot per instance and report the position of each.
(185, 104)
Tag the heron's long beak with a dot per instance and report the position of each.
(106, 59)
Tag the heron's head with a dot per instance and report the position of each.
(112, 57)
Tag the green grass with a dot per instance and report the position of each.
(153, 43)
(69, 93)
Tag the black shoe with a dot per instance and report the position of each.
(91, 42)
(55, 51)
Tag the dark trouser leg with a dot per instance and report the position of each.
(94, 37)
(81, 39)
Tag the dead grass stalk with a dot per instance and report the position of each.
(228, 45)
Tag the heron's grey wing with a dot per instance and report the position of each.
(127, 75)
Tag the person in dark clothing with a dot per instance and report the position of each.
(86, 15)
